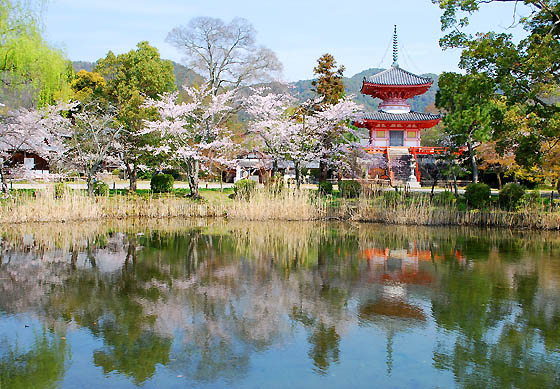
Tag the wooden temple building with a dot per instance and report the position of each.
(395, 130)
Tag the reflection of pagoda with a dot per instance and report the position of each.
(394, 130)
(392, 310)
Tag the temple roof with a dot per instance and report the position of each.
(397, 76)
(399, 117)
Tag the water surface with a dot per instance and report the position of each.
(212, 304)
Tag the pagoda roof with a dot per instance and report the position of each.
(397, 76)
(400, 117)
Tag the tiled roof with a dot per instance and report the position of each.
(397, 76)
(404, 117)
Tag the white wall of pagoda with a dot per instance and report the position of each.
(380, 137)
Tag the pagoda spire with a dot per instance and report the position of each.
(395, 48)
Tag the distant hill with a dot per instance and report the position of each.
(302, 90)
(182, 73)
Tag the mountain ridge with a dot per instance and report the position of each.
(302, 89)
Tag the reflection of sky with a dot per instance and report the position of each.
(246, 305)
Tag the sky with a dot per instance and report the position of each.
(358, 33)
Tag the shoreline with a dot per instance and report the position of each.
(290, 206)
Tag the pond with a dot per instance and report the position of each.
(207, 304)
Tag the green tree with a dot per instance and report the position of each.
(329, 83)
(32, 72)
(131, 77)
(525, 72)
(88, 86)
(468, 101)
(330, 86)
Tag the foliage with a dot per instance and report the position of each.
(41, 131)
(33, 72)
(329, 82)
(524, 71)
(349, 189)
(92, 141)
(511, 195)
(444, 198)
(100, 188)
(325, 188)
(244, 189)
(477, 195)
(88, 86)
(131, 78)
(193, 133)
(174, 172)
(162, 183)
(468, 101)
(59, 190)
(116, 172)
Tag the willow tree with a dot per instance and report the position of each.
(32, 72)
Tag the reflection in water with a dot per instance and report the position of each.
(213, 302)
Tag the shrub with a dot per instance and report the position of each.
(144, 175)
(116, 172)
(477, 195)
(59, 189)
(174, 172)
(243, 189)
(533, 199)
(325, 187)
(100, 188)
(444, 198)
(511, 195)
(162, 183)
(349, 189)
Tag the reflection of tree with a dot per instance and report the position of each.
(480, 303)
(40, 367)
(325, 344)
(204, 299)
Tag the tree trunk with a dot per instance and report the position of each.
(192, 172)
(455, 185)
(90, 184)
(3, 179)
(434, 183)
(324, 170)
(298, 175)
(473, 163)
(499, 175)
(132, 178)
(274, 168)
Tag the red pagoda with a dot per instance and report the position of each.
(394, 130)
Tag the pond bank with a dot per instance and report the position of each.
(44, 206)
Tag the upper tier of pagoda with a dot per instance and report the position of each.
(395, 85)
(395, 82)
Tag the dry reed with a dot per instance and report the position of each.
(290, 204)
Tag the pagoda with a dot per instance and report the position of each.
(395, 130)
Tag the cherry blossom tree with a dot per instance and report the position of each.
(40, 131)
(194, 133)
(296, 134)
(332, 129)
(93, 141)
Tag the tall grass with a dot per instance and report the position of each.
(287, 204)
(263, 204)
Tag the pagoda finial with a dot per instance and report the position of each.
(395, 48)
